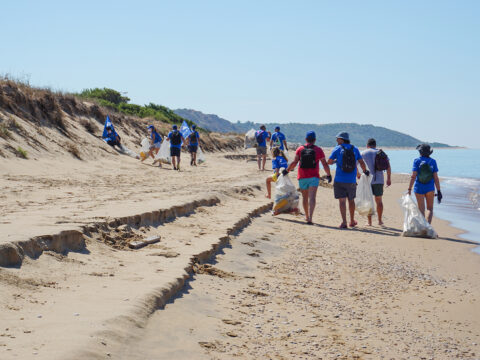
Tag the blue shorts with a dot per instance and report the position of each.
(308, 182)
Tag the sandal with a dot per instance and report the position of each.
(343, 226)
(353, 224)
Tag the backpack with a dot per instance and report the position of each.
(259, 136)
(425, 173)
(349, 162)
(176, 138)
(308, 158)
(193, 137)
(381, 161)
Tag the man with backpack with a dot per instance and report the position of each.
(176, 140)
(346, 156)
(193, 145)
(279, 140)
(309, 156)
(377, 162)
(262, 136)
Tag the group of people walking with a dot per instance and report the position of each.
(373, 163)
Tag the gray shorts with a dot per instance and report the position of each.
(345, 190)
(261, 150)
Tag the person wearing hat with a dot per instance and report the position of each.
(424, 180)
(155, 142)
(176, 140)
(279, 140)
(346, 156)
(262, 136)
(193, 145)
(112, 138)
(309, 156)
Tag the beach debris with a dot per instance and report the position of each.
(142, 243)
(415, 224)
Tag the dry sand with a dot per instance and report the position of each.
(279, 289)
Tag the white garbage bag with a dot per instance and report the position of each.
(364, 202)
(164, 153)
(286, 196)
(250, 140)
(200, 156)
(129, 152)
(145, 144)
(415, 224)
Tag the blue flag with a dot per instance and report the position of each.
(185, 129)
(107, 124)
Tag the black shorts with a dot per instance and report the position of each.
(345, 190)
(377, 189)
(192, 148)
(113, 142)
(174, 151)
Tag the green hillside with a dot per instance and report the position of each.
(295, 132)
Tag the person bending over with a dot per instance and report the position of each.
(279, 161)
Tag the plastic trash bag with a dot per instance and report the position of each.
(364, 202)
(415, 224)
(129, 152)
(200, 156)
(286, 196)
(145, 144)
(250, 140)
(164, 153)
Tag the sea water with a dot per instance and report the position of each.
(459, 170)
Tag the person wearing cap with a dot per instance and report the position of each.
(378, 180)
(279, 140)
(345, 183)
(176, 140)
(309, 156)
(193, 145)
(424, 180)
(262, 136)
(155, 143)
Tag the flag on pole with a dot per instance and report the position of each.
(185, 130)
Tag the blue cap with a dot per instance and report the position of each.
(150, 127)
(194, 126)
(311, 135)
(343, 135)
(174, 127)
(277, 128)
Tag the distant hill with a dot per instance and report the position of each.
(295, 132)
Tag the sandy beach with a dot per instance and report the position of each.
(226, 280)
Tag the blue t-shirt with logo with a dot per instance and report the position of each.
(264, 136)
(340, 175)
(112, 136)
(156, 137)
(278, 138)
(420, 188)
(279, 162)
(170, 134)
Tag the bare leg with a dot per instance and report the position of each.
(305, 203)
(369, 219)
(421, 203)
(194, 158)
(174, 163)
(378, 200)
(351, 209)
(312, 197)
(430, 198)
(269, 188)
(259, 162)
(343, 210)
(264, 160)
(178, 162)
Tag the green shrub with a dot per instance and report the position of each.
(22, 153)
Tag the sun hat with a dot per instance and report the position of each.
(310, 135)
(343, 135)
(424, 149)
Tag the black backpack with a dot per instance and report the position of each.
(425, 173)
(381, 161)
(176, 138)
(308, 158)
(349, 163)
(259, 136)
(193, 137)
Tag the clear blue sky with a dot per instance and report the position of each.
(411, 66)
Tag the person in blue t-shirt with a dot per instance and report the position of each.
(262, 136)
(176, 141)
(193, 145)
(345, 183)
(155, 143)
(424, 181)
(279, 140)
(112, 137)
(279, 161)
